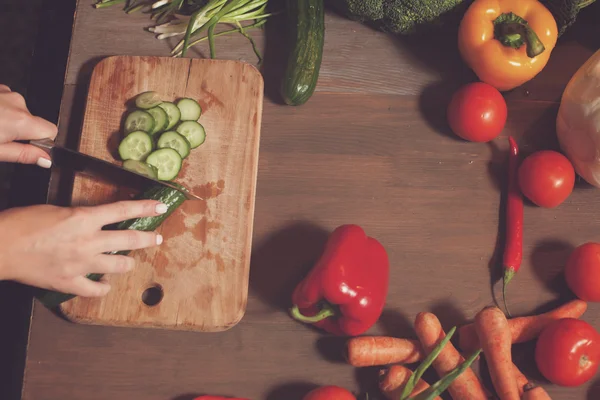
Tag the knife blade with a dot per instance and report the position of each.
(96, 167)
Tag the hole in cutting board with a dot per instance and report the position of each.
(153, 295)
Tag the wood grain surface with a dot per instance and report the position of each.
(371, 147)
(201, 269)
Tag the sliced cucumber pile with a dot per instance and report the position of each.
(159, 135)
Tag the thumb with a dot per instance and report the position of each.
(24, 154)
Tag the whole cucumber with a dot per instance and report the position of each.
(307, 34)
(170, 197)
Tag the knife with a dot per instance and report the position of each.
(92, 166)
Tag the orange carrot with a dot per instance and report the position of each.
(521, 379)
(494, 336)
(523, 329)
(367, 351)
(466, 386)
(393, 379)
(535, 393)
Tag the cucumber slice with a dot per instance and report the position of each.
(175, 141)
(148, 100)
(193, 132)
(173, 114)
(141, 168)
(167, 161)
(139, 120)
(161, 120)
(190, 109)
(136, 146)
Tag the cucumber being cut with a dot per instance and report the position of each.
(141, 168)
(148, 100)
(167, 161)
(193, 132)
(139, 120)
(173, 114)
(190, 109)
(175, 141)
(136, 146)
(161, 120)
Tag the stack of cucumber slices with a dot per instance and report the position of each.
(159, 135)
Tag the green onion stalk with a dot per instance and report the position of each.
(191, 18)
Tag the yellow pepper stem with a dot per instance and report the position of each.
(513, 31)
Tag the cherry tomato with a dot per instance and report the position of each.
(477, 112)
(582, 272)
(546, 178)
(567, 352)
(329, 393)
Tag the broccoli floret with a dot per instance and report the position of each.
(397, 16)
(366, 11)
(565, 11)
(410, 16)
(406, 16)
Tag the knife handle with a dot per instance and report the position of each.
(44, 144)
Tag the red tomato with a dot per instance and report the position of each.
(583, 272)
(329, 393)
(547, 178)
(477, 112)
(567, 352)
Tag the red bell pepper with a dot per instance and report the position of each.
(345, 292)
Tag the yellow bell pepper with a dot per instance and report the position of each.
(507, 42)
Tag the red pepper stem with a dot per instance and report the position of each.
(509, 273)
(326, 312)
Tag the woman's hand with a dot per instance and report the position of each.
(55, 248)
(17, 123)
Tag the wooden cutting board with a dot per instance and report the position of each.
(198, 277)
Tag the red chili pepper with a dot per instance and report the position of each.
(513, 252)
(345, 292)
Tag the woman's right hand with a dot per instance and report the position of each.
(17, 123)
(55, 248)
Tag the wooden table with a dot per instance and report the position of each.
(372, 148)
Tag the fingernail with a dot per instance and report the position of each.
(44, 162)
(159, 239)
(161, 208)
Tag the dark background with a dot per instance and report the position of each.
(33, 55)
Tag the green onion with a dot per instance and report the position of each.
(109, 3)
(425, 364)
(191, 18)
(438, 388)
(255, 25)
